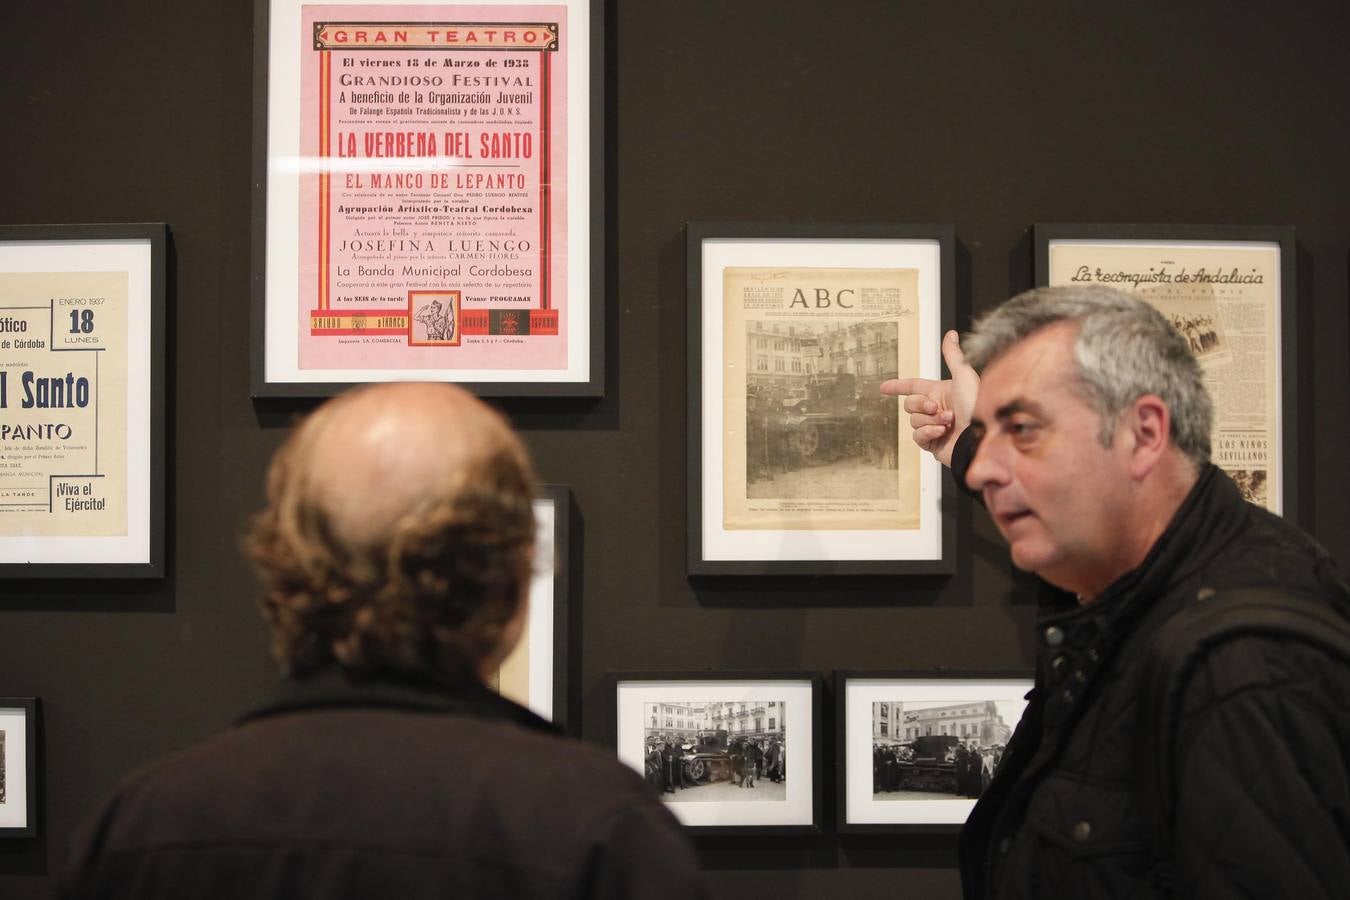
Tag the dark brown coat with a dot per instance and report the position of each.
(384, 790)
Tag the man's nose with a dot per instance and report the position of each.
(987, 469)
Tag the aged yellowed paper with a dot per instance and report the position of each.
(1225, 300)
(809, 442)
(63, 404)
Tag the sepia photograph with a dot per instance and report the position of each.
(915, 752)
(1252, 484)
(816, 424)
(734, 753)
(699, 751)
(926, 750)
(1203, 333)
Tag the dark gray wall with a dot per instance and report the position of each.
(785, 111)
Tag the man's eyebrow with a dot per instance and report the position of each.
(1019, 405)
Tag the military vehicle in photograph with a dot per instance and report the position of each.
(929, 764)
(709, 758)
(825, 424)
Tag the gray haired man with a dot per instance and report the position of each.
(1080, 419)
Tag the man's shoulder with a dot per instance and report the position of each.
(441, 785)
(375, 788)
(1238, 645)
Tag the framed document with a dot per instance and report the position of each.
(729, 752)
(18, 766)
(915, 751)
(797, 463)
(535, 674)
(82, 347)
(1230, 290)
(428, 196)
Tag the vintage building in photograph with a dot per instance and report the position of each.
(978, 721)
(786, 356)
(748, 719)
(682, 721)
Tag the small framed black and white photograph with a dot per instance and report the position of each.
(18, 767)
(535, 674)
(729, 752)
(798, 465)
(916, 751)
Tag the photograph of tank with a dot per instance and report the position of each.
(699, 751)
(931, 751)
(816, 424)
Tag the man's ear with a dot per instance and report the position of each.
(1149, 426)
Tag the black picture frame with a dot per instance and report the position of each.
(544, 641)
(941, 241)
(20, 823)
(1044, 235)
(262, 387)
(560, 496)
(927, 815)
(619, 688)
(151, 303)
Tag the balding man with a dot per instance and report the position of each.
(395, 550)
(1086, 434)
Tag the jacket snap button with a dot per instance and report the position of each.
(1054, 636)
(1082, 831)
(1058, 664)
(1004, 846)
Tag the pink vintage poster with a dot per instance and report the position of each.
(433, 230)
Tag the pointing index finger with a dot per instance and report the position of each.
(903, 387)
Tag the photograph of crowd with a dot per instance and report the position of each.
(1201, 333)
(816, 424)
(713, 750)
(928, 751)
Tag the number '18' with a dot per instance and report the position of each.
(81, 320)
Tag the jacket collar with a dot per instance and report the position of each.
(1077, 645)
(334, 688)
(1201, 527)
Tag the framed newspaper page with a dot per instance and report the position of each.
(18, 767)
(731, 753)
(797, 463)
(428, 196)
(536, 673)
(1230, 290)
(915, 750)
(82, 349)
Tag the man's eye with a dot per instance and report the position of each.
(1023, 431)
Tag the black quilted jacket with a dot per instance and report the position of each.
(1263, 772)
